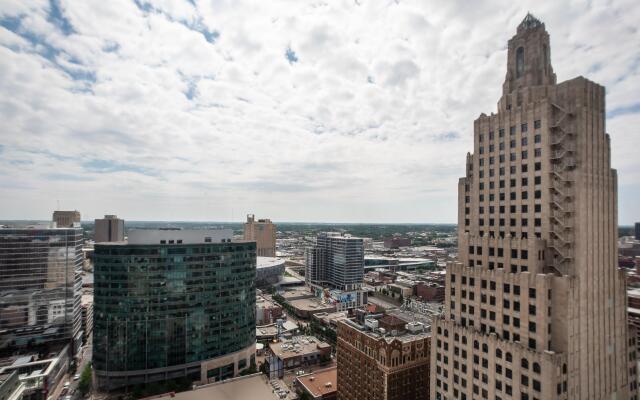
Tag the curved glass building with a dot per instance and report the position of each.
(171, 304)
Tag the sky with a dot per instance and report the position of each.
(323, 111)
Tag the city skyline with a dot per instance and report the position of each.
(357, 112)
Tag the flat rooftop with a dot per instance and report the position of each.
(267, 262)
(297, 346)
(311, 304)
(178, 236)
(296, 293)
(321, 382)
(404, 337)
(254, 387)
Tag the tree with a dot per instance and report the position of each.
(85, 380)
(305, 396)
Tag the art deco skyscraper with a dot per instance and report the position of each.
(535, 307)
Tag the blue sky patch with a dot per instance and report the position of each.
(632, 109)
(56, 17)
(291, 56)
(108, 166)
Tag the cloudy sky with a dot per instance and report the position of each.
(335, 111)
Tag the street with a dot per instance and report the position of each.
(59, 392)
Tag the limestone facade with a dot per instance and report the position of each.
(535, 307)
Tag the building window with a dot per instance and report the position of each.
(523, 127)
(519, 62)
(536, 124)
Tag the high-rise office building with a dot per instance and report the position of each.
(376, 364)
(263, 232)
(335, 269)
(109, 229)
(336, 261)
(535, 307)
(173, 303)
(40, 286)
(637, 230)
(66, 219)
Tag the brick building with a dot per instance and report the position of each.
(374, 365)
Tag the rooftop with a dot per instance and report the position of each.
(252, 387)
(321, 382)
(415, 330)
(266, 262)
(297, 346)
(178, 236)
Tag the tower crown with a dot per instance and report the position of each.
(529, 57)
(529, 22)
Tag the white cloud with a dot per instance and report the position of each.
(193, 112)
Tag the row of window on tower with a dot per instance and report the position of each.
(504, 366)
(524, 127)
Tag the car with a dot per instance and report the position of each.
(76, 377)
(66, 385)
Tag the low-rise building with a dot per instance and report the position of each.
(270, 332)
(267, 311)
(11, 388)
(396, 242)
(330, 320)
(300, 351)
(254, 387)
(37, 374)
(320, 385)
(86, 306)
(305, 308)
(429, 291)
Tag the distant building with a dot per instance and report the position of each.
(269, 271)
(337, 262)
(108, 229)
(298, 352)
(263, 232)
(396, 242)
(267, 312)
(430, 291)
(40, 286)
(86, 307)
(320, 385)
(66, 219)
(173, 303)
(375, 364)
(38, 373)
(637, 230)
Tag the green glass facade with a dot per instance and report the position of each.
(160, 310)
